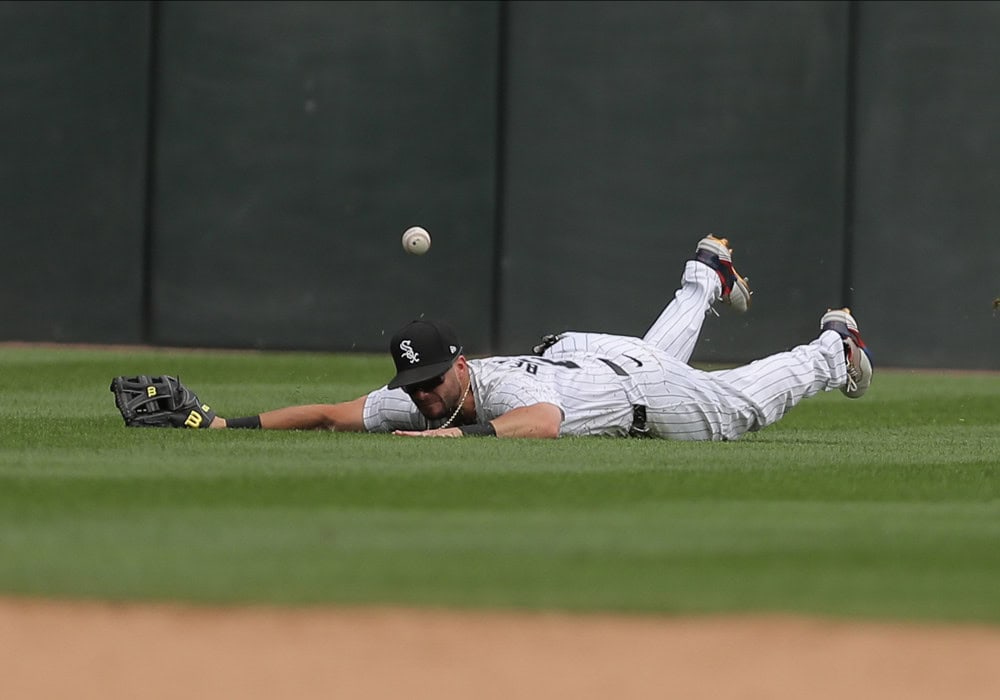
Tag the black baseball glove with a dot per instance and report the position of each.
(159, 402)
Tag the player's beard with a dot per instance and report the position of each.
(432, 410)
(457, 408)
(438, 411)
(443, 407)
(439, 408)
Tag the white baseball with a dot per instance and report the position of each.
(416, 240)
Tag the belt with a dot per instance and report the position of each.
(639, 429)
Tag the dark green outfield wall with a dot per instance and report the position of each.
(295, 143)
(927, 192)
(238, 174)
(73, 118)
(634, 129)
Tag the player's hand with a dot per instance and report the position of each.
(437, 432)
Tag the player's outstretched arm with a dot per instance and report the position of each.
(341, 417)
(162, 401)
(540, 420)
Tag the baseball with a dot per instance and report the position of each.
(416, 240)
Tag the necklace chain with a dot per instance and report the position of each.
(458, 408)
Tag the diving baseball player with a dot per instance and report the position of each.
(574, 384)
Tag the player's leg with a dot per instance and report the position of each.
(837, 359)
(707, 278)
(678, 326)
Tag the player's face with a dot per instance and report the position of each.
(437, 398)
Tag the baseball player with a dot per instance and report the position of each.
(574, 384)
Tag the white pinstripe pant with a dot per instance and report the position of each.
(689, 404)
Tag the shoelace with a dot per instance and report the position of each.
(853, 373)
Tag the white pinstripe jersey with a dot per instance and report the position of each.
(592, 392)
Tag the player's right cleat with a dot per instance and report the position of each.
(715, 253)
(859, 362)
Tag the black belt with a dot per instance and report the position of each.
(639, 429)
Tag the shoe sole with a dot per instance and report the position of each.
(739, 295)
(841, 321)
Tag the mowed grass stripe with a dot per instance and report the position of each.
(883, 507)
(841, 559)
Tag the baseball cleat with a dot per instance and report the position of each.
(859, 362)
(716, 253)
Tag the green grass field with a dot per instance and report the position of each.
(884, 507)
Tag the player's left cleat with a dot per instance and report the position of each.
(859, 362)
(716, 253)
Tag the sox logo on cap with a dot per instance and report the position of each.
(408, 352)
